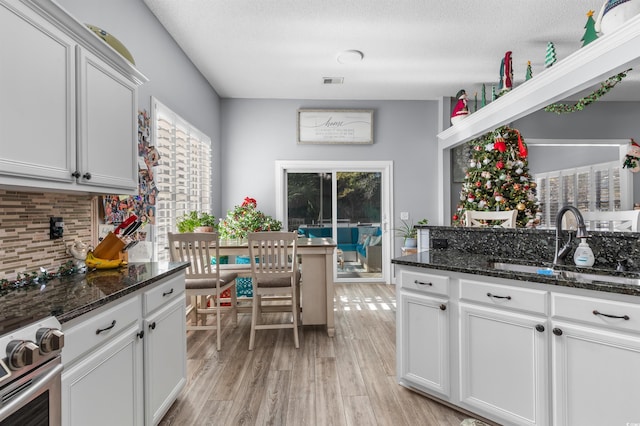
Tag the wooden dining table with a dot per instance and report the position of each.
(316, 287)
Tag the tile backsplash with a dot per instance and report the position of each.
(24, 229)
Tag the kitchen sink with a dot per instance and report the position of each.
(528, 269)
(579, 276)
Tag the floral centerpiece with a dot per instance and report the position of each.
(246, 218)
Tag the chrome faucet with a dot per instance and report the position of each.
(561, 253)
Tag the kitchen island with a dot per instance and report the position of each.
(514, 347)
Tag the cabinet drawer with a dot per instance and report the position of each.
(422, 282)
(522, 299)
(98, 329)
(162, 293)
(595, 311)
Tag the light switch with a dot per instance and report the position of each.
(404, 215)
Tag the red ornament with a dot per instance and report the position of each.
(500, 165)
(500, 144)
(455, 217)
(478, 184)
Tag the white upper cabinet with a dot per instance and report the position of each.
(68, 104)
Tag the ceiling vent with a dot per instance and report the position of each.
(332, 80)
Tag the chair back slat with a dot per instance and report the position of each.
(198, 248)
(273, 254)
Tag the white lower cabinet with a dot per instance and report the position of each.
(425, 336)
(503, 364)
(126, 365)
(517, 352)
(596, 367)
(165, 368)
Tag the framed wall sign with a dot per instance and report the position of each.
(335, 126)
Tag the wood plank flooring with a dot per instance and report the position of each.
(345, 380)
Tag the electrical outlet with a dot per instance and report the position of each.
(56, 228)
(404, 215)
(439, 243)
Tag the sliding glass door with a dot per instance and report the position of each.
(347, 205)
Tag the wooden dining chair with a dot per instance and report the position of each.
(274, 272)
(204, 282)
(506, 219)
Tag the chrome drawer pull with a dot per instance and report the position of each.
(423, 283)
(100, 330)
(624, 317)
(498, 297)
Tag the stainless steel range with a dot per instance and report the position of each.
(30, 374)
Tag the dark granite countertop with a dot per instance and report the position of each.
(479, 264)
(71, 296)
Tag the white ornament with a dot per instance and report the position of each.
(523, 179)
(486, 161)
(488, 185)
(519, 171)
(488, 147)
(482, 203)
(503, 176)
(472, 163)
(498, 198)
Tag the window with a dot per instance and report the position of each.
(183, 173)
(592, 188)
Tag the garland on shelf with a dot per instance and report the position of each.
(606, 86)
(34, 279)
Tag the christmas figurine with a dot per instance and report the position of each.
(529, 72)
(460, 110)
(508, 72)
(550, 56)
(632, 159)
(590, 33)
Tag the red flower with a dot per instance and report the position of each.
(248, 201)
(500, 165)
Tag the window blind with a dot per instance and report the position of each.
(183, 173)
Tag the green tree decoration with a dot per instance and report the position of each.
(497, 178)
(550, 56)
(483, 103)
(529, 72)
(590, 33)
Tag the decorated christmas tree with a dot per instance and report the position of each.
(497, 177)
(529, 73)
(550, 55)
(590, 33)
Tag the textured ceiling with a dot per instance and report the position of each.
(413, 49)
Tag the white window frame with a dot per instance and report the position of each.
(626, 188)
(197, 158)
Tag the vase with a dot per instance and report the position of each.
(411, 242)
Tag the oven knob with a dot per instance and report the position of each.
(21, 353)
(49, 340)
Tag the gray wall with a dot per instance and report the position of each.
(255, 133)
(173, 79)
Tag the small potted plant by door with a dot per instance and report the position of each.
(409, 233)
(195, 221)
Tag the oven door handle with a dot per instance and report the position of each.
(37, 386)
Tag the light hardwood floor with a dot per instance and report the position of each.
(346, 380)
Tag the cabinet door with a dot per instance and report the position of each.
(595, 376)
(165, 359)
(423, 340)
(107, 125)
(105, 388)
(37, 98)
(503, 365)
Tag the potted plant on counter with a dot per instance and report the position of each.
(195, 221)
(409, 233)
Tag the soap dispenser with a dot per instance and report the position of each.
(583, 255)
